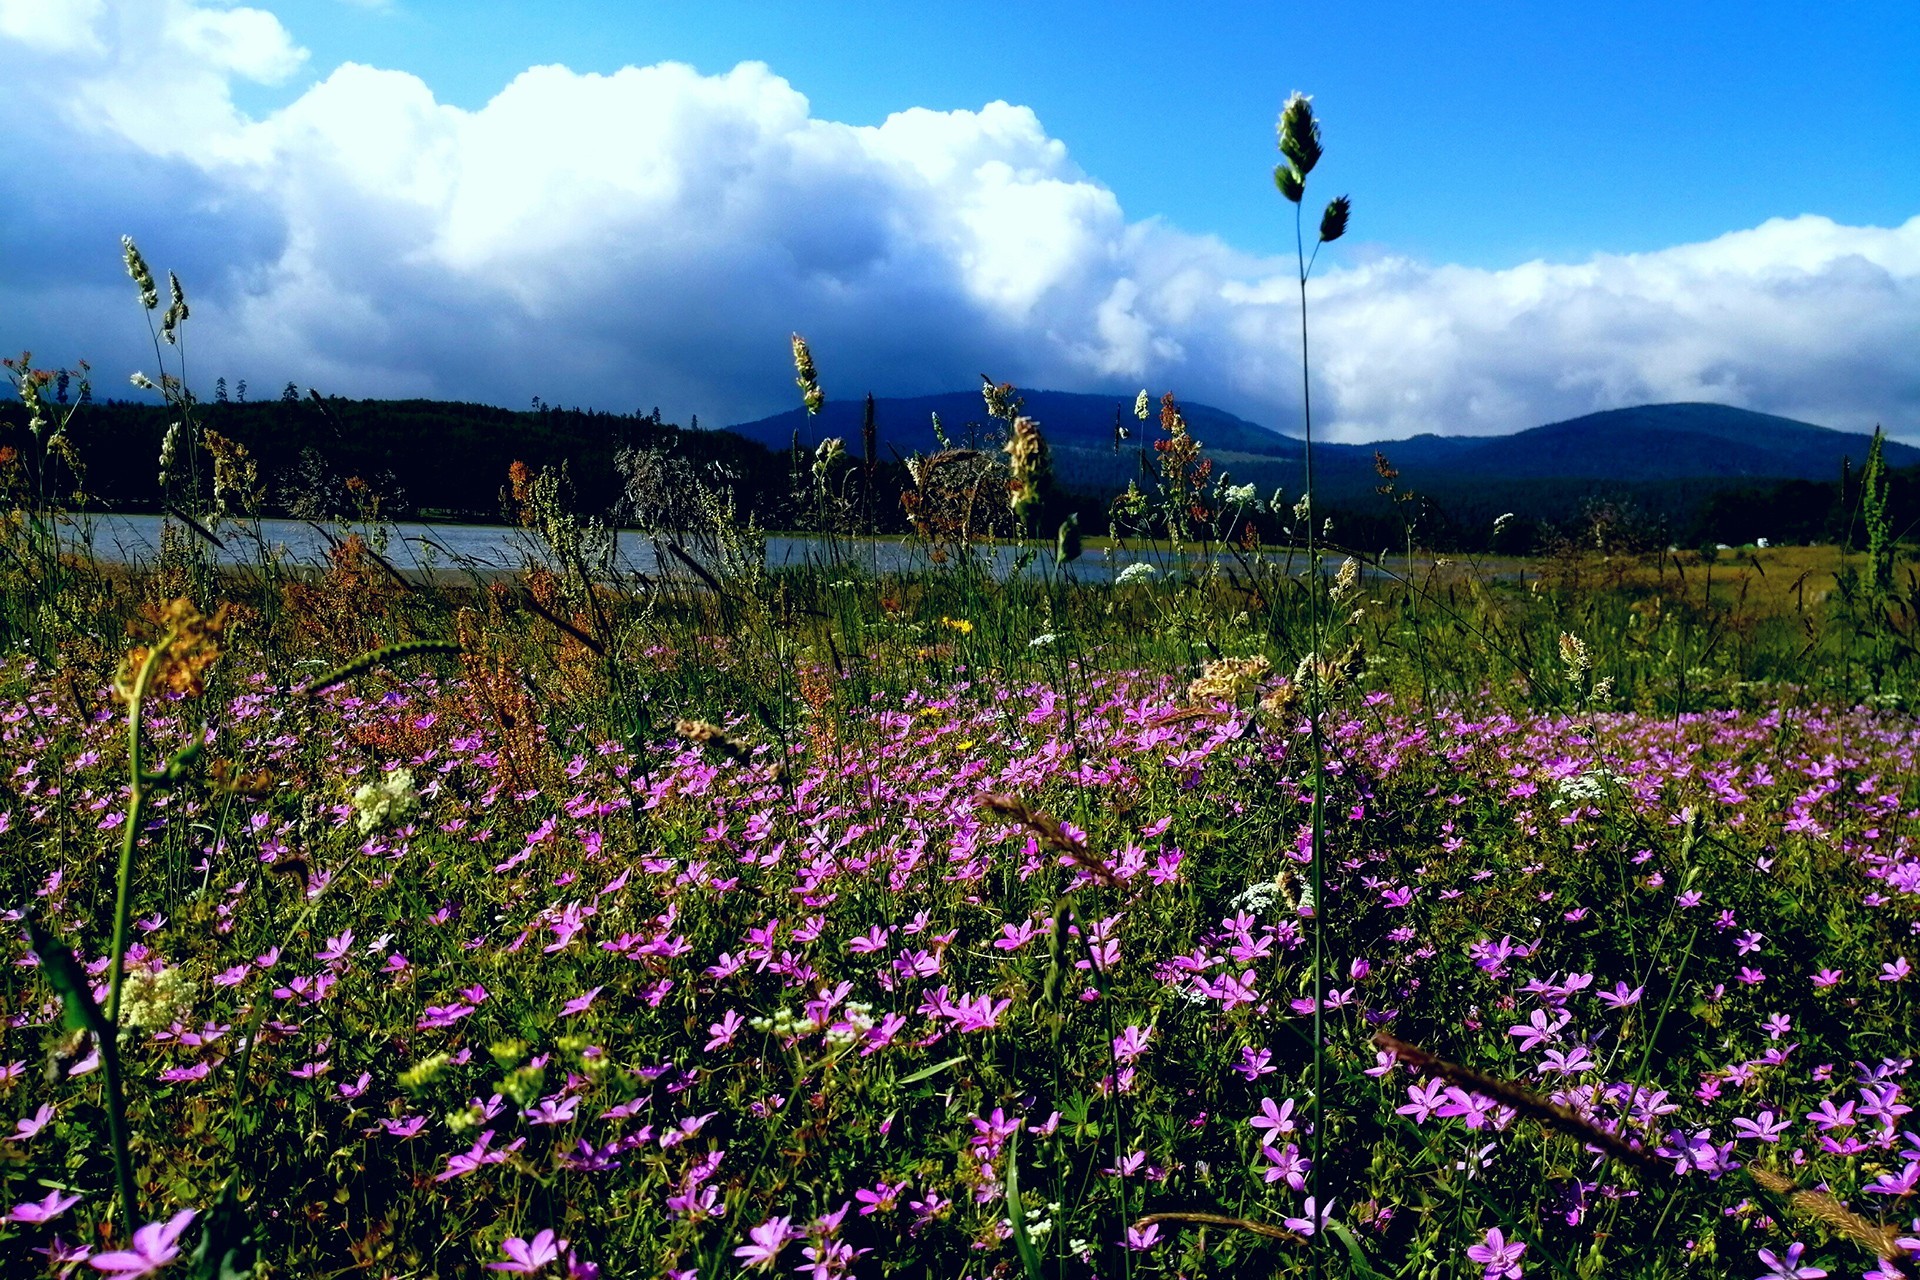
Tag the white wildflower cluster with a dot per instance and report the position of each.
(1039, 1223)
(155, 999)
(1590, 786)
(1042, 640)
(856, 1020)
(377, 804)
(1138, 571)
(1241, 495)
(783, 1023)
(1256, 898)
(1283, 895)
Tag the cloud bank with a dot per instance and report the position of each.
(650, 237)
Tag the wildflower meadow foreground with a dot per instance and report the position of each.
(969, 979)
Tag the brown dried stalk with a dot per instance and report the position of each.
(1818, 1205)
(1839, 1219)
(532, 603)
(1222, 1220)
(704, 733)
(1526, 1102)
(1048, 828)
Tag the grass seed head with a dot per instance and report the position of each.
(807, 377)
(176, 310)
(1575, 658)
(1300, 135)
(141, 273)
(1333, 223)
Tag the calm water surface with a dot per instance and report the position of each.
(429, 548)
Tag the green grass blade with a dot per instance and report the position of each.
(1017, 1212)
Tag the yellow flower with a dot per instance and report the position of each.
(961, 625)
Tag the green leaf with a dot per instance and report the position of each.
(69, 981)
(226, 1249)
(1066, 545)
(927, 1073)
(1017, 1212)
(1361, 1267)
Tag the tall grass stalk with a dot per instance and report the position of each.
(179, 656)
(1300, 144)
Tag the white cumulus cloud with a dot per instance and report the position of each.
(651, 236)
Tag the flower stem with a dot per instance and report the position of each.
(122, 919)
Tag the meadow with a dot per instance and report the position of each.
(951, 925)
(1285, 911)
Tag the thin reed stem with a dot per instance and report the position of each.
(1317, 818)
(122, 920)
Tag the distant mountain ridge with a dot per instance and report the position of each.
(1646, 443)
(1651, 442)
(1070, 419)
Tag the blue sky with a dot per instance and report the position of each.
(1558, 208)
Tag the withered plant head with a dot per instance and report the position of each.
(1171, 420)
(1228, 679)
(188, 646)
(1836, 1217)
(1003, 400)
(704, 733)
(1031, 465)
(230, 778)
(236, 476)
(1527, 1103)
(1049, 829)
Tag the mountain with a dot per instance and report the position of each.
(1071, 420)
(1650, 442)
(1656, 443)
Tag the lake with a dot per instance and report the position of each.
(487, 549)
